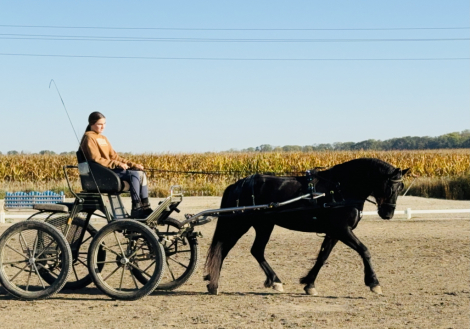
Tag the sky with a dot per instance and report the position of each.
(208, 80)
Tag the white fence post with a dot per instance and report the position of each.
(408, 213)
(2, 212)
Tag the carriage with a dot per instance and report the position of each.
(127, 259)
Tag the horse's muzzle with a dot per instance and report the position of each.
(386, 210)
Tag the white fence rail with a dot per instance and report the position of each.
(408, 212)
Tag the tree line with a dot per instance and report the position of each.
(453, 140)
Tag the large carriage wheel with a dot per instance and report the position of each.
(130, 246)
(28, 250)
(182, 256)
(79, 277)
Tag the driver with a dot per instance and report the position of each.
(97, 148)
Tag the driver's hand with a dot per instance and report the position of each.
(124, 166)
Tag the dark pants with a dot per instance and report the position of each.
(138, 182)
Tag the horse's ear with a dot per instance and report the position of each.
(404, 171)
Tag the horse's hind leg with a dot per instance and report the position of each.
(326, 247)
(263, 233)
(225, 237)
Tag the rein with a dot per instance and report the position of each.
(228, 173)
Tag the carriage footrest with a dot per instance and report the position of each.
(51, 207)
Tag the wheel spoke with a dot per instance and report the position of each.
(122, 277)
(35, 244)
(142, 271)
(75, 272)
(106, 248)
(16, 252)
(26, 245)
(39, 276)
(178, 262)
(16, 262)
(170, 245)
(169, 270)
(27, 282)
(119, 243)
(45, 248)
(133, 278)
(140, 248)
(106, 278)
(106, 262)
(48, 270)
(178, 252)
(83, 242)
(13, 278)
(82, 262)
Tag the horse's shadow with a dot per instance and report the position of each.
(93, 293)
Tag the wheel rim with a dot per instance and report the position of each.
(26, 256)
(128, 252)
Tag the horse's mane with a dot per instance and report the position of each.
(381, 166)
(365, 167)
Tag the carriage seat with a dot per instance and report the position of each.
(55, 207)
(92, 174)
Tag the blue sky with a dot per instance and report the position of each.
(213, 105)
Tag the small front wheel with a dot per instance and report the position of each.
(29, 250)
(130, 246)
(181, 255)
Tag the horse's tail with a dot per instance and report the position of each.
(214, 254)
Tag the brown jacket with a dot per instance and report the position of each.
(96, 147)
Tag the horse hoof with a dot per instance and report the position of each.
(212, 291)
(376, 289)
(311, 291)
(278, 287)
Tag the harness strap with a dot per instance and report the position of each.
(373, 202)
(393, 205)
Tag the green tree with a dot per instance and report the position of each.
(47, 152)
(264, 148)
(291, 148)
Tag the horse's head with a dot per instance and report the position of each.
(386, 192)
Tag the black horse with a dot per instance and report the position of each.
(346, 187)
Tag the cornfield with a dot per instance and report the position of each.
(38, 172)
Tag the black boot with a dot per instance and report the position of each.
(145, 202)
(146, 207)
(137, 211)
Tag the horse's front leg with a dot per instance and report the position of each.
(370, 278)
(263, 233)
(326, 247)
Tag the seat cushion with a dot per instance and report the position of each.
(51, 207)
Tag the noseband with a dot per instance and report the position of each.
(389, 186)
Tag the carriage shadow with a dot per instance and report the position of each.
(93, 293)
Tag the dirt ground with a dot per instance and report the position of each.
(422, 264)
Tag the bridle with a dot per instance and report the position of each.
(390, 183)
